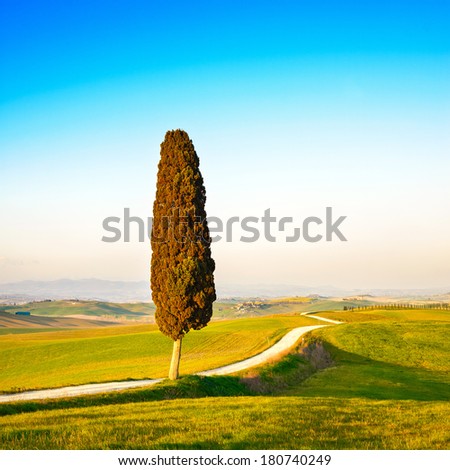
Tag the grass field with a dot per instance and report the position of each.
(10, 323)
(238, 423)
(388, 315)
(22, 331)
(386, 386)
(145, 311)
(400, 360)
(62, 308)
(54, 359)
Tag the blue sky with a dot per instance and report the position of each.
(291, 105)
(50, 45)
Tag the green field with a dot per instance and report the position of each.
(381, 360)
(381, 381)
(62, 308)
(237, 423)
(284, 305)
(145, 311)
(21, 331)
(360, 316)
(72, 357)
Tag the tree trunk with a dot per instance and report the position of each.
(175, 363)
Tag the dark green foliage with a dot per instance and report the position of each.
(182, 269)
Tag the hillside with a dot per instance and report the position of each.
(144, 312)
(59, 358)
(378, 382)
(88, 309)
(10, 321)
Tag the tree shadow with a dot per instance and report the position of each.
(319, 370)
(355, 376)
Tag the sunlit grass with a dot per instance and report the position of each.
(60, 308)
(414, 314)
(382, 360)
(422, 344)
(290, 300)
(53, 359)
(387, 387)
(238, 423)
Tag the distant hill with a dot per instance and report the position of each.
(92, 289)
(139, 291)
(9, 320)
(143, 312)
(89, 309)
(284, 290)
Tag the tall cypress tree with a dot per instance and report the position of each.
(182, 268)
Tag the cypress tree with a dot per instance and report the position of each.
(182, 280)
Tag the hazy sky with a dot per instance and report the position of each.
(292, 105)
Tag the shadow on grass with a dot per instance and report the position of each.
(191, 386)
(316, 370)
(356, 376)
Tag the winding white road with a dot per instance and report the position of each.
(313, 315)
(77, 390)
(285, 343)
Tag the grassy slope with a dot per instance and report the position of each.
(285, 305)
(388, 315)
(388, 389)
(21, 331)
(43, 360)
(9, 323)
(142, 311)
(240, 423)
(61, 308)
(381, 360)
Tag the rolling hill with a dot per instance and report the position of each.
(59, 358)
(384, 386)
(144, 312)
(11, 323)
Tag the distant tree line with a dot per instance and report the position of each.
(435, 306)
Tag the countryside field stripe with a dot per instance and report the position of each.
(285, 343)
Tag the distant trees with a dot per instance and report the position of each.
(436, 306)
(182, 280)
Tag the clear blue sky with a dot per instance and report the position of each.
(51, 45)
(292, 105)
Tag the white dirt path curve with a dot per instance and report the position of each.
(313, 315)
(76, 390)
(285, 343)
